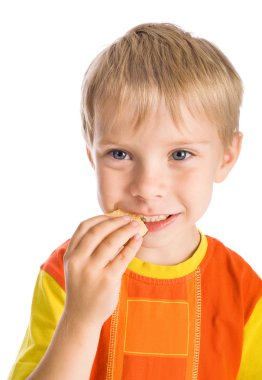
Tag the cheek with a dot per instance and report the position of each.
(195, 191)
(110, 188)
(201, 195)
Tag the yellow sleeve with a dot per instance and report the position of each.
(251, 363)
(47, 306)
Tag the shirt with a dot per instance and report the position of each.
(200, 319)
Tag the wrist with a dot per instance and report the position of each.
(77, 328)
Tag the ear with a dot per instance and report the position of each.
(90, 157)
(230, 156)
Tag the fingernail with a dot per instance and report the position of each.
(134, 223)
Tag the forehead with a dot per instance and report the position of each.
(156, 124)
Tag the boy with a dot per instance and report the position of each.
(160, 112)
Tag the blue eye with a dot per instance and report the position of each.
(118, 154)
(180, 155)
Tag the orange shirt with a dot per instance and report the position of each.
(200, 319)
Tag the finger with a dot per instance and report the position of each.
(119, 264)
(83, 228)
(95, 234)
(109, 247)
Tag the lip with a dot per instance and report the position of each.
(157, 226)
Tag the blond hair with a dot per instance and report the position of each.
(160, 60)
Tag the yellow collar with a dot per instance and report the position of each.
(170, 271)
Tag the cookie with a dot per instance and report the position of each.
(142, 230)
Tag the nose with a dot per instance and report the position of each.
(149, 182)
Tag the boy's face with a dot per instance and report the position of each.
(160, 169)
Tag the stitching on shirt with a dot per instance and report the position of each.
(197, 324)
(112, 344)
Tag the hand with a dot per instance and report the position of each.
(97, 256)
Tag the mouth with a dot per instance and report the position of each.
(154, 218)
(159, 222)
(155, 223)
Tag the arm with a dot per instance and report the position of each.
(71, 352)
(93, 271)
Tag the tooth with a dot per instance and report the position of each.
(155, 218)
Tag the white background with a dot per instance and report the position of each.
(47, 186)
